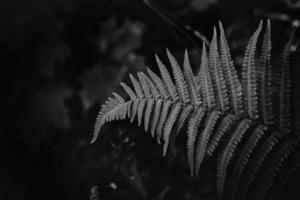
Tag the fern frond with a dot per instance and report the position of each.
(244, 156)
(273, 168)
(217, 74)
(257, 162)
(166, 78)
(216, 104)
(159, 84)
(231, 77)
(285, 89)
(223, 128)
(180, 82)
(149, 109)
(113, 109)
(129, 91)
(148, 94)
(129, 105)
(228, 153)
(181, 121)
(163, 116)
(134, 109)
(193, 126)
(154, 91)
(109, 105)
(157, 110)
(145, 86)
(186, 112)
(204, 138)
(169, 125)
(264, 78)
(140, 110)
(206, 81)
(118, 97)
(249, 84)
(123, 110)
(137, 87)
(193, 87)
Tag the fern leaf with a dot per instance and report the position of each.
(110, 114)
(205, 81)
(180, 82)
(128, 90)
(273, 168)
(204, 138)
(228, 154)
(193, 87)
(140, 110)
(155, 118)
(123, 110)
(97, 127)
(100, 120)
(169, 125)
(181, 120)
(224, 127)
(134, 109)
(193, 126)
(217, 73)
(231, 77)
(154, 91)
(166, 78)
(112, 102)
(113, 109)
(264, 78)
(249, 84)
(285, 89)
(257, 162)
(137, 87)
(148, 111)
(159, 84)
(119, 113)
(145, 86)
(110, 105)
(118, 97)
(129, 105)
(244, 157)
(163, 116)
(186, 111)
(214, 101)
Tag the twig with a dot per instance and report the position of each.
(190, 34)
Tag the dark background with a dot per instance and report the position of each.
(60, 59)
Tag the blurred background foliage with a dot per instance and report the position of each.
(61, 59)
